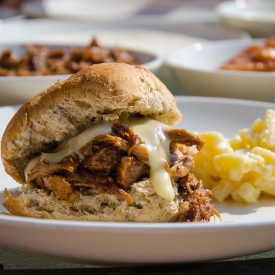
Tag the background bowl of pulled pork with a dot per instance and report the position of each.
(202, 69)
(27, 69)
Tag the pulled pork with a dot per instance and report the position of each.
(36, 59)
(113, 162)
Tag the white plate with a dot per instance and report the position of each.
(244, 229)
(255, 17)
(196, 67)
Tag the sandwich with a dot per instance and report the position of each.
(101, 146)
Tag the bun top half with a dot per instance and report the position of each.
(107, 90)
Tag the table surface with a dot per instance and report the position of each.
(14, 260)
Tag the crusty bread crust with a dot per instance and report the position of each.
(112, 89)
(97, 206)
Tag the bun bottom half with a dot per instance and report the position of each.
(94, 206)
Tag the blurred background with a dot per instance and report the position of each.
(163, 15)
(152, 26)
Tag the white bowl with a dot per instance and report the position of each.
(95, 9)
(257, 18)
(196, 67)
(18, 89)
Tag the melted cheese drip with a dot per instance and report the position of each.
(157, 143)
(73, 145)
(151, 132)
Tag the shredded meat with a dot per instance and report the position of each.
(195, 206)
(175, 153)
(120, 130)
(47, 60)
(140, 153)
(183, 167)
(135, 139)
(46, 167)
(87, 150)
(61, 188)
(130, 170)
(104, 160)
(184, 137)
(111, 163)
(98, 182)
(103, 140)
(179, 151)
(126, 133)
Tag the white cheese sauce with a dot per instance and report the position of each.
(152, 133)
(157, 143)
(73, 145)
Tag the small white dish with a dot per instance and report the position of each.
(196, 67)
(18, 89)
(245, 229)
(255, 17)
